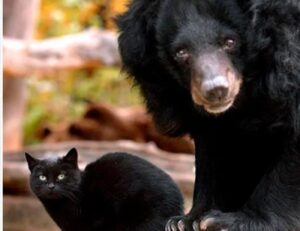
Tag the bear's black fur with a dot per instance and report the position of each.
(227, 72)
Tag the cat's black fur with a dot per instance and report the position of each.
(118, 192)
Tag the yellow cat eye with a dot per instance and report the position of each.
(61, 176)
(42, 178)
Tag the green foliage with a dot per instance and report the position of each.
(60, 17)
(63, 97)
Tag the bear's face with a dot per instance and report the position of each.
(201, 44)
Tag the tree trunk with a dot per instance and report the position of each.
(18, 22)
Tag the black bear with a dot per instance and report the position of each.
(226, 72)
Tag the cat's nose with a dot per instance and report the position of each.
(51, 186)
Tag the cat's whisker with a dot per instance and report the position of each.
(71, 196)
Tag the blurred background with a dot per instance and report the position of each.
(64, 87)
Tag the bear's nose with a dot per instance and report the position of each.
(215, 89)
(216, 94)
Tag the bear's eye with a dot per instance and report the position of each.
(182, 55)
(229, 44)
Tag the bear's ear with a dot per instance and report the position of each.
(32, 162)
(71, 157)
(137, 34)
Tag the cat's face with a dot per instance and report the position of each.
(55, 178)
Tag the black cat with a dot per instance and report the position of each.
(118, 192)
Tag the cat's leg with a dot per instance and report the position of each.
(150, 224)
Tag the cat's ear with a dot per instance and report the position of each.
(31, 161)
(71, 157)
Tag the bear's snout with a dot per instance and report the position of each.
(214, 82)
(216, 89)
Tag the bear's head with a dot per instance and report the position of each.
(188, 57)
(201, 58)
(202, 46)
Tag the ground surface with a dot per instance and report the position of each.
(23, 212)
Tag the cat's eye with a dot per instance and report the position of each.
(61, 176)
(42, 178)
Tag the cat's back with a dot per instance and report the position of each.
(127, 186)
(124, 165)
(123, 171)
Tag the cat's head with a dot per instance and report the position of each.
(55, 178)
